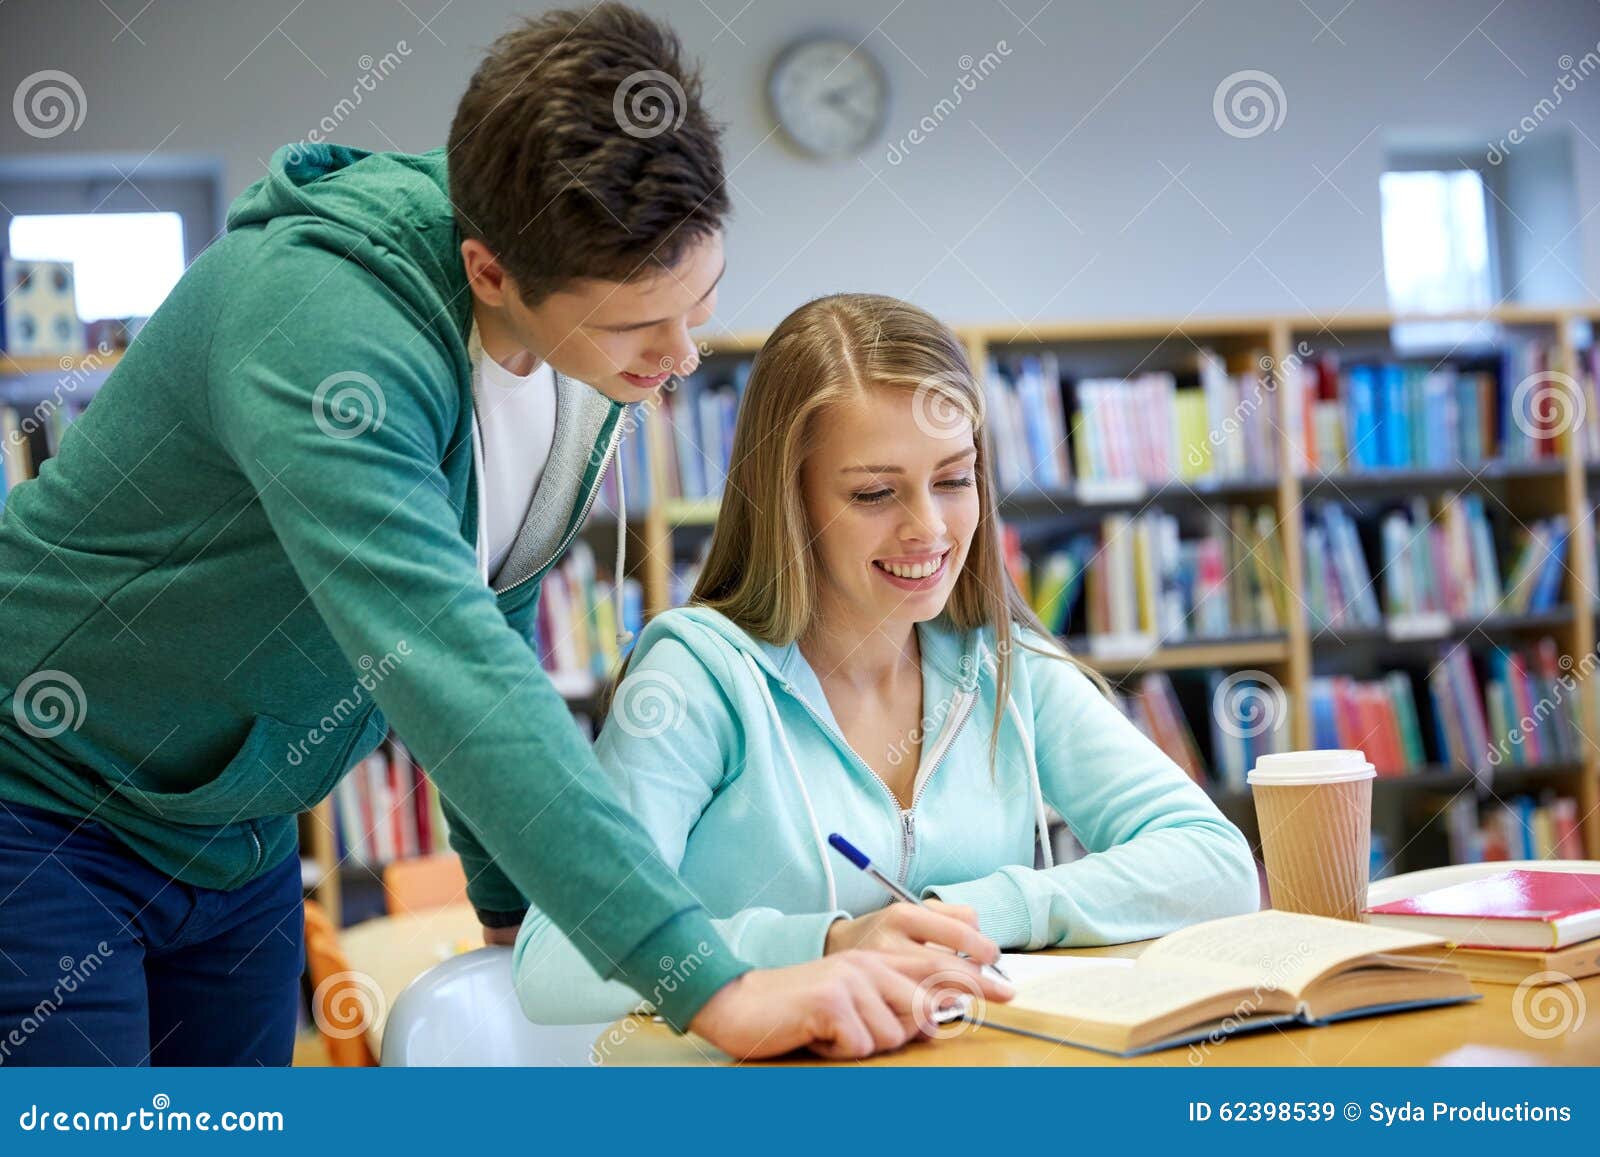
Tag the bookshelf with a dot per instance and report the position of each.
(666, 530)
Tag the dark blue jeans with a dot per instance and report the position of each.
(106, 961)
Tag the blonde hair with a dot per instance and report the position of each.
(761, 571)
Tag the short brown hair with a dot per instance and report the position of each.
(581, 149)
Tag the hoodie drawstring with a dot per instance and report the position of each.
(624, 636)
(794, 770)
(1041, 822)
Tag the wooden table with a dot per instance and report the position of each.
(1480, 1032)
(395, 950)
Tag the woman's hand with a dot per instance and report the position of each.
(908, 928)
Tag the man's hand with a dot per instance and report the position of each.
(851, 1004)
(500, 936)
(899, 928)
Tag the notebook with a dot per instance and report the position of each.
(1223, 977)
(1517, 908)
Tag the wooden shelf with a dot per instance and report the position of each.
(1187, 655)
(21, 364)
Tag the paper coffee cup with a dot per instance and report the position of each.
(1315, 812)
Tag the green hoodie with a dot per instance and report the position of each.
(255, 553)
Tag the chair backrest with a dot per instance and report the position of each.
(335, 993)
(1407, 884)
(423, 883)
(464, 1012)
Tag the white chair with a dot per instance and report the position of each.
(464, 1012)
(1414, 883)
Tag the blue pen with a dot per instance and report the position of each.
(859, 858)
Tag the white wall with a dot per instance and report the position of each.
(1086, 176)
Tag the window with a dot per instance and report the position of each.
(124, 264)
(1436, 243)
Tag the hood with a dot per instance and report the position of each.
(390, 211)
(956, 655)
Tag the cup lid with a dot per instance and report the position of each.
(1311, 767)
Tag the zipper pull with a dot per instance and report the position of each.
(909, 821)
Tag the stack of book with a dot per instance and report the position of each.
(1148, 430)
(1390, 415)
(1519, 926)
(1147, 585)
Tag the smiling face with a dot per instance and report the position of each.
(891, 507)
(623, 338)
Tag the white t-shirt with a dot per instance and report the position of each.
(517, 425)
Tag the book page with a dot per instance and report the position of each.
(1280, 949)
(1102, 991)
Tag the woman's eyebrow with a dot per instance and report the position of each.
(956, 457)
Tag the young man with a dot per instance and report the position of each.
(304, 509)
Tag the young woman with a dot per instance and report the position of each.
(856, 660)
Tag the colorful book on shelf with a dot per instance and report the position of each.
(1440, 562)
(1147, 581)
(1398, 415)
(1221, 977)
(1517, 908)
(1462, 731)
(1150, 429)
(575, 628)
(1520, 828)
(1339, 586)
(1377, 716)
(1249, 719)
(1154, 709)
(385, 809)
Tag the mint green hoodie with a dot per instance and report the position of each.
(726, 750)
(255, 553)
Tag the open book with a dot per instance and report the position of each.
(1225, 976)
